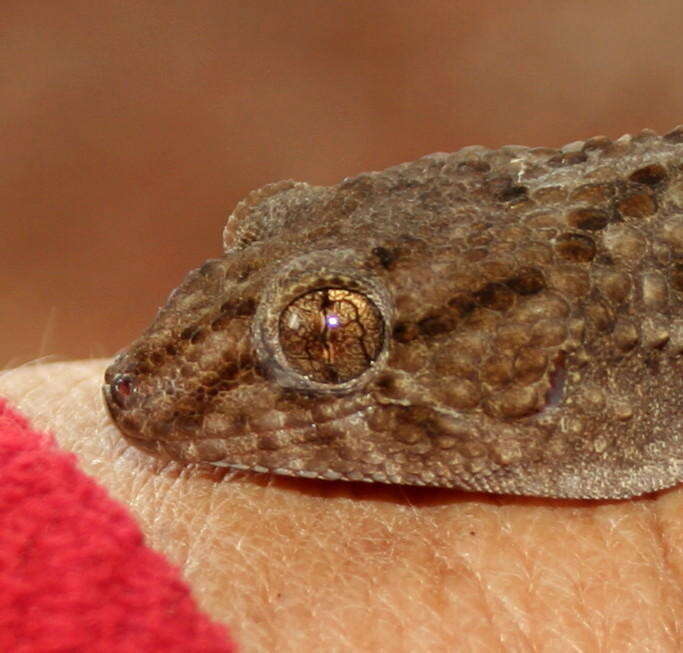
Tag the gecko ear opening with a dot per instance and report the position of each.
(246, 224)
(558, 379)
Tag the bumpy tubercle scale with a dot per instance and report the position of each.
(506, 321)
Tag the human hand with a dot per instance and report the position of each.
(291, 564)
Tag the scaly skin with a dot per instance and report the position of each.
(508, 321)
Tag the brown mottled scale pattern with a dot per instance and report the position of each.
(507, 321)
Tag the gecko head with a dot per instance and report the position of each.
(251, 346)
(244, 353)
(331, 342)
(351, 362)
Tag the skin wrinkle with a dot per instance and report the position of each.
(539, 592)
(671, 570)
(490, 607)
(483, 597)
(507, 619)
(518, 604)
(199, 529)
(647, 562)
(671, 622)
(183, 529)
(594, 632)
(521, 574)
(642, 567)
(602, 586)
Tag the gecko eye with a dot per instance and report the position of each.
(331, 335)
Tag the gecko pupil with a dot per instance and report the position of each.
(331, 335)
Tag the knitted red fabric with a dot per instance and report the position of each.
(75, 574)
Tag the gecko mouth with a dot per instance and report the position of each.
(188, 430)
(251, 443)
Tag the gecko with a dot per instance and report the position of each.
(507, 321)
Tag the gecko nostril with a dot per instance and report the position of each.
(122, 387)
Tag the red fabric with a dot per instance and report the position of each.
(75, 574)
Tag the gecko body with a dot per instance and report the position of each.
(507, 321)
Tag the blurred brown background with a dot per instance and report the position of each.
(130, 129)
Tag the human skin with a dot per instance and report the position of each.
(293, 564)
